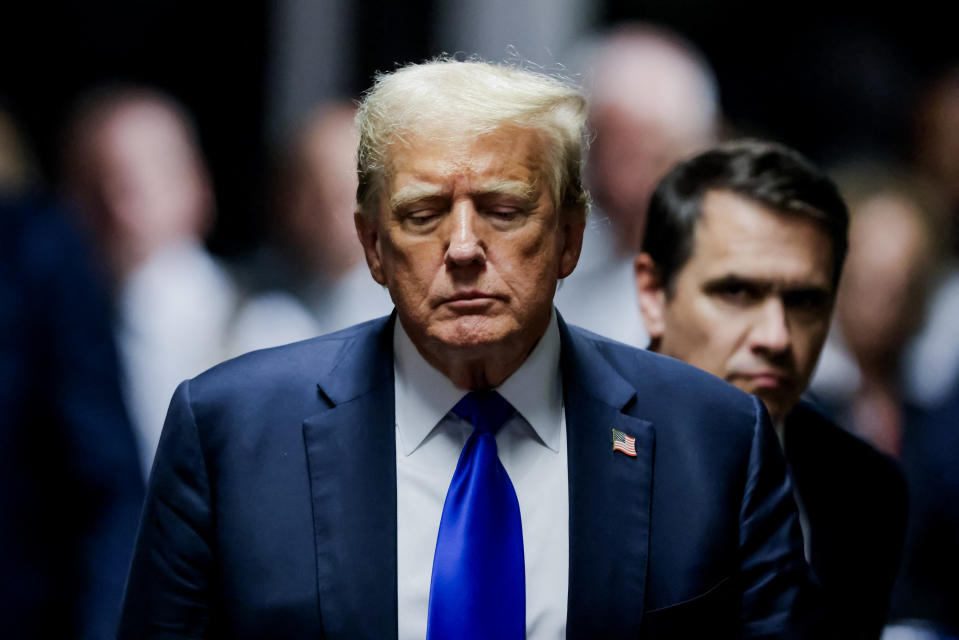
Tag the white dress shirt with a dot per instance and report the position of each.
(532, 448)
(174, 311)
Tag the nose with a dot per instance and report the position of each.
(465, 245)
(771, 333)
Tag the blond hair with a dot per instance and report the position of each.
(472, 98)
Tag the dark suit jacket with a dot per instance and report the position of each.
(854, 500)
(272, 506)
(928, 585)
(70, 479)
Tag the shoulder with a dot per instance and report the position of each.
(808, 428)
(814, 442)
(690, 410)
(660, 378)
(279, 374)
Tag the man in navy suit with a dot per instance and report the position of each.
(301, 491)
(738, 275)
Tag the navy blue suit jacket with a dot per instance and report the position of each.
(271, 510)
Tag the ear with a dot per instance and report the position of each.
(571, 231)
(368, 232)
(652, 297)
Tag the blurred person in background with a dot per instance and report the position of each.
(937, 141)
(738, 275)
(316, 255)
(895, 255)
(17, 171)
(70, 482)
(653, 100)
(133, 167)
(895, 246)
(317, 199)
(925, 602)
(932, 361)
(926, 598)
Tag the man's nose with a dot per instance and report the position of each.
(465, 244)
(771, 330)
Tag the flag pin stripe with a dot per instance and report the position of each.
(623, 443)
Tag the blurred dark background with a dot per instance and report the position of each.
(203, 207)
(830, 78)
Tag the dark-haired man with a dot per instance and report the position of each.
(738, 274)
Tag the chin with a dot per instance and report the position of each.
(777, 406)
(480, 333)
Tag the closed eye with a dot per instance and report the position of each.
(504, 213)
(502, 209)
(422, 214)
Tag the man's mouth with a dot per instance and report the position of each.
(471, 294)
(764, 379)
(469, 300)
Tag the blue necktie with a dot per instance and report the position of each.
(478, 587)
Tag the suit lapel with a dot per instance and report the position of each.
(352, 462)
(609, 494)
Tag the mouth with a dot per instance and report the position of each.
(765, 380)
(470, 300)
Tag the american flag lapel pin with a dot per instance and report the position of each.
(622, 442)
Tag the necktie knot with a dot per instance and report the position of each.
(487, 411)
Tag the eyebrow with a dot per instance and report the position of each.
(765, 284)
(409, 195)
(514, 188)
(413, 194)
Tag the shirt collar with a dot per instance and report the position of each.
(424, 395)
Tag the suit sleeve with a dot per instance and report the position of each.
(779, 599)
(168, 593)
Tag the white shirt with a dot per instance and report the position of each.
(174, 311)
(532, 448)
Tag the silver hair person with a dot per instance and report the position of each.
(448, 98)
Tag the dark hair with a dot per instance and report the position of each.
(771, 174)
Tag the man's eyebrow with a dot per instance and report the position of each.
(734, 279)
(515, 188)
(766, 284)
(408, 195)
(418, 193)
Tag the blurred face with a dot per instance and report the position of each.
(628, 156)
(884, 281)
(470, 245)
(751, 305)
(318, 222)
(143, 186)
(153, 186)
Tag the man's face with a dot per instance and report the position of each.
(469, 243)
(153, 185)
(752, 303)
